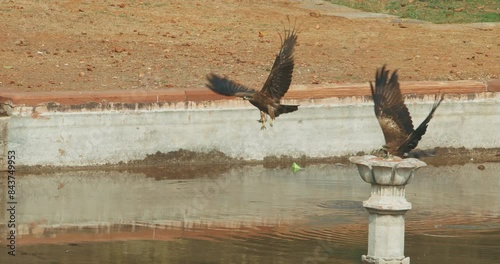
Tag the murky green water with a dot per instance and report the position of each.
(246, 215)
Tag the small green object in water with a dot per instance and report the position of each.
(295, 167)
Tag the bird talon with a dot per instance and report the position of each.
(385, 152)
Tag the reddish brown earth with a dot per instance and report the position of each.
(132, 45)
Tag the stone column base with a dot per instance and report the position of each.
(371, 260)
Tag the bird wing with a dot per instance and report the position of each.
(280, 77)
(412, 141)
(227, 87)
(391, 112)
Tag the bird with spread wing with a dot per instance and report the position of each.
(267, 100)
(393, 115)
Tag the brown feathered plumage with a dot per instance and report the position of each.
(393, 115)
(267, 100)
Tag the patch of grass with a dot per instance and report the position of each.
(436, 11)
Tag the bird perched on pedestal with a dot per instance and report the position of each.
(393, 115)
(267, 100)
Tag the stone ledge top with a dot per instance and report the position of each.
(298, 92)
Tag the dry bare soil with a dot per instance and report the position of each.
(71, 45)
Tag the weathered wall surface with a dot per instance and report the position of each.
(321, 128)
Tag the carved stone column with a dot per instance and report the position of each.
(386, 206)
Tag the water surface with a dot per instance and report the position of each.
(248, 214)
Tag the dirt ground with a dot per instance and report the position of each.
(111, 45)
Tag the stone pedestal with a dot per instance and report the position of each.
(386, 206)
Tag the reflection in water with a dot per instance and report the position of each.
(248, 215)
(264, 250)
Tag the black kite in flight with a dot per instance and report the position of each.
(393, 115)
(276, 85)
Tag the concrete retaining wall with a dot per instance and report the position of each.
(107, 128)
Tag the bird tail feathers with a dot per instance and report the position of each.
(286, 109)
